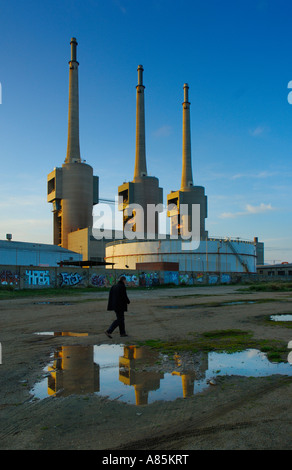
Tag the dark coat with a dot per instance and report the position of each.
(118, 299)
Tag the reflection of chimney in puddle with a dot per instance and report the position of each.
(143, 381)
(188, 379)
(188, 375)
(73, 371)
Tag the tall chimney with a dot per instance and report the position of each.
(187, 174)
(140, 159)
(73, 148)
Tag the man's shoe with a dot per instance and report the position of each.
(122, 336)
(108, 335)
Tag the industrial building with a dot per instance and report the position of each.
(73, 191)
(172, 252)
(282, 270)
(216, 255)
(14, 253)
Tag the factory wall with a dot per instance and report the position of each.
(34, 277)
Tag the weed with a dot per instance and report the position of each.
(228, 341)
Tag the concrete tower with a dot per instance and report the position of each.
(144, 190)
(188, 193)
(72, 189)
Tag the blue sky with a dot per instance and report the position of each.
(236, 58)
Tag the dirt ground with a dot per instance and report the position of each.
(235, 413)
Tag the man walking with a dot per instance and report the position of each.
(118, 301)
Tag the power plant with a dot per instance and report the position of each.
(73, 191)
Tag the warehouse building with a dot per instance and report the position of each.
(14, 253)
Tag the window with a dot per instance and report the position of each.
(51, 185)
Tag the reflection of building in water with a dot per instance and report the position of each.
(73, 371)
(144, 381)
(189, 375)
(69, 333)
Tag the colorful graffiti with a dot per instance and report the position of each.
(171, 277)
(213, 279)
(131, 280)
(98, 280)
(70, 279)
(149, 279)
(37, 278)
(110, 279)
(8, 278)
(225, 278)
(186, 279)
(200, 277)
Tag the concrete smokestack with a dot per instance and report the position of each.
(73, 147)
(140, 159)
(72, 189)
(188, 194)
(144, 190)
(187, 174)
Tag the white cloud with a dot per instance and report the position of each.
(260, 175)
(249, 209)
(257, 131)
(20, 201)
(163, 131)
(258, 209)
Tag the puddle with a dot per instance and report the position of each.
(239, 302)
(52, 303)
(61, 333)
(223, 304)
(281, 317)
(140, 376)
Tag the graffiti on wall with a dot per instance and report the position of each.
(70, 279)
(171, 277)
(200, 277)
(110, 279)
(37, 278)
(8, 278)
(213, 279)
(131, 280)
(102, 280)
(149, 279)
(186, 279)
(225, 278)
(98, 280)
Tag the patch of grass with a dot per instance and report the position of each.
(7, 293)
(225, 333)
(284, 286)
(267, 320)
(228, 341)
